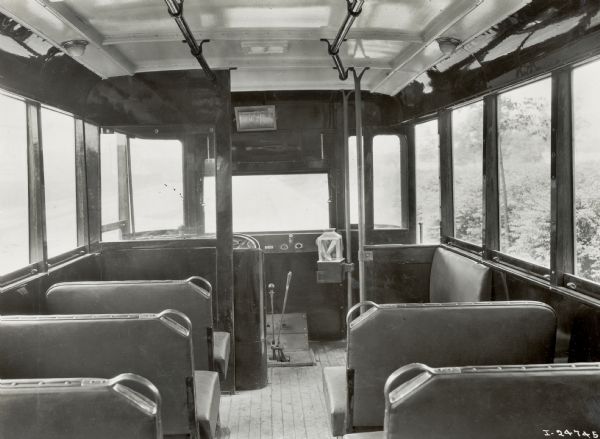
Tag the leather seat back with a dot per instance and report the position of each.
(155, 346)
(61, 409)
(387, 337)
(493, 402)
(191, 297)
(455, 278)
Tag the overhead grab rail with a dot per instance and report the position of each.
(354, 10)
(176, 11)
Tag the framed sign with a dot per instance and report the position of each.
(259, 118)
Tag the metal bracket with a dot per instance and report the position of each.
(347, 267)
(339, 66)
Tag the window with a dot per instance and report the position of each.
(467, 157)
(586, 137)
(58, 142)
(157, 180)
(109, 179)
(524, 172)
(280, 202)
(387, 182)
(427, 169)
(14, 211)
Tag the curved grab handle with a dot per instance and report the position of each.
(183, 327)
(358, 306)
(395, 378)
(151, 392)
(203, 281)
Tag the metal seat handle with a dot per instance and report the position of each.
(359, 305)
(399, 376)
(206, 284)
(150, 391)
(177, 321)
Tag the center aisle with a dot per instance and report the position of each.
(292, 406)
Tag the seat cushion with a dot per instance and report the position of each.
(455, 278)
(207, 394)
(221, 347)
(335, 388)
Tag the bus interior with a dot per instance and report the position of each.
(280, 219)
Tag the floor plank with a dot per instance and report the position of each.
(292, 406)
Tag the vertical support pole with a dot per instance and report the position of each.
(491, 208)
(347, 224)
(562, 243)
(361, 184)
(446, 174)
(38, 252)
(224, 288)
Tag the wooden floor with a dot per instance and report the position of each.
(292, 406)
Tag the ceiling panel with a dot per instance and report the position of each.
(274, 44)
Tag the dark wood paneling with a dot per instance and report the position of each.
(224, 285)
(94, 201)
(446, 173)
(491, 208)
(195, 151)
(81, 185)
(37, 205)
(324, 304)
(500, 57)
(250, 340)
(158, 264)
(562, 251)
(399, 274)
(28, 297)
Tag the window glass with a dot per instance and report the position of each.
(157, 180)
(524, 172)
(353, 167)
(387, 182)
(58, 142)
(427, 169)
(586, 95)
(280, 202)
(109, 178)
(14, 210)
(467, 157)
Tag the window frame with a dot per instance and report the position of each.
(413, 176)
(450, 238)
(560, 275)
(40, 264)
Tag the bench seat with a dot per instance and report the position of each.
(389, 336)
(192, 296)
(76, 408)
(155, 346)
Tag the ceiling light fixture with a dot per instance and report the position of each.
(448, 45)
(75, 48)
(264, 47)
